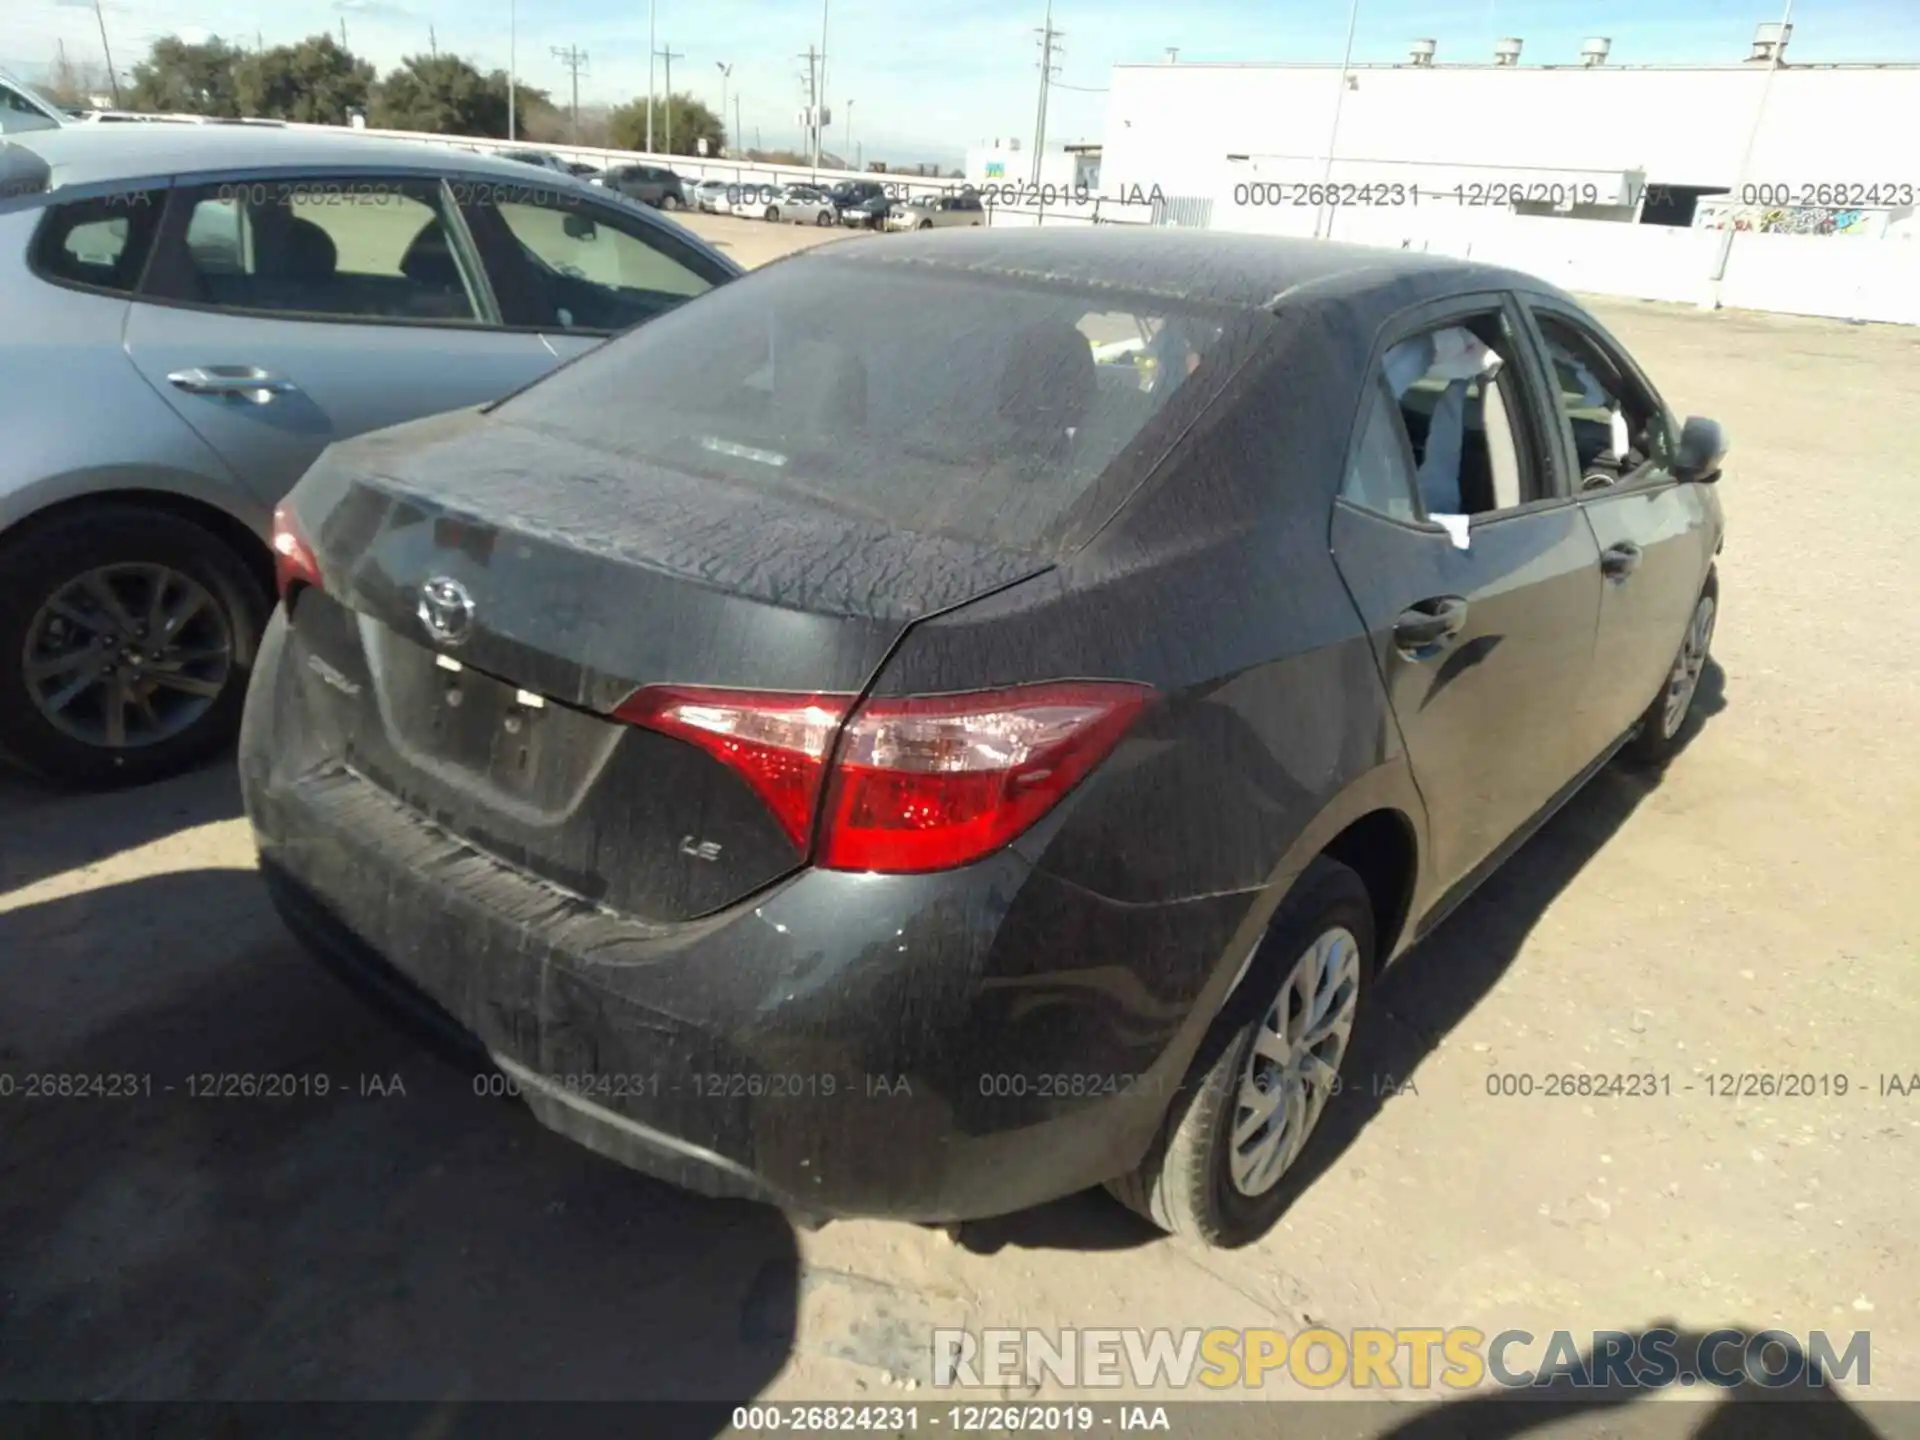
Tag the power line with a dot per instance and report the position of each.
(575, 59)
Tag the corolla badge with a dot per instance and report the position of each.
(446, 609)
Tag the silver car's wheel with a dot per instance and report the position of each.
(669, 202)
(1292, 1067)
(1684, 679)
(125, 656)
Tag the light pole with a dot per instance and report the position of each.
(652, 45)
(1339, 96)
(725, 71)
(113, 76)
(819, 95)
(1725, 249)
(513, 72)
(856, 164)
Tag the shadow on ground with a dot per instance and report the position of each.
(398, 1236)
(45, 831)
(1415, 1005)
(1755, 1406)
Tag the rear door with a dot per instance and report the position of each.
(576, 271)
(1654, 532)
(1482, 621)
(282, 313)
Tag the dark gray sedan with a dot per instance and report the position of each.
(927, 769)
(193, 314)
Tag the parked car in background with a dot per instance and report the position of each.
(188, 317)
(1101, 731)
(800, 205)
(710, 196)
(847, 194)
(749, 199)
(936, 212)
(24, 109)
(544, 159)
(581, 170)
(653, 185)
(868, 214)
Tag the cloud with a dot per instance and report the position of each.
(373, 10)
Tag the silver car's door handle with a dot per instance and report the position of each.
(246, 380)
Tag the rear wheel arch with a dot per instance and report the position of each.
(223, 525)
(1380, 847)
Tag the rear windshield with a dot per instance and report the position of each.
(931, 400)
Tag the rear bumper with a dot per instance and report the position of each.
(918, 1047)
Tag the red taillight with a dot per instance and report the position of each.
(927, 784)
(777, 743)
(293, 562)
(918, 784)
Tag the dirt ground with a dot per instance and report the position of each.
(1752, 914)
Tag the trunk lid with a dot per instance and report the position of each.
(493, 592)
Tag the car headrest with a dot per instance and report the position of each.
(429, 259)
(822, 387)
(300, 250)
(1048, 382)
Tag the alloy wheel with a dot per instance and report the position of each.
(1292, 1066)
(1684, 679)
(127, 655)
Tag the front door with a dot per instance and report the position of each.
(280, 315)
(1483, 620)
(1654, 534)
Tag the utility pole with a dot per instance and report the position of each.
(669, 57)
(513, 69)
(653, 7)
(850, 144)
(1048, 49)
(113, 76)
(575, 59)
(1325, 214)
(343, 32)
(809, 138)
(725, 71)
(433, 42)
(822, 88)
(1725, 248)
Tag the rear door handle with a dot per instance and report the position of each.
(1423, 630)
(1617, 562)
(249, 381)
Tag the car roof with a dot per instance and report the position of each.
(90, 154)
(1238, 271)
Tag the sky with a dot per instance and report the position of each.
(928, 80)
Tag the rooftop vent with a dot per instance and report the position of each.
(1770, 42)
(1507, 52)
(1421, 52)
(1594, 51)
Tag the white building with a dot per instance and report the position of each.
(1588, 137)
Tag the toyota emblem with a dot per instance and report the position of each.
(446, 609)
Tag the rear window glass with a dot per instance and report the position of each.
(937, 402)
(101, 243)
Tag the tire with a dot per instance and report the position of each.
(36, 566)
(1666, 725)
(1185, 1182)
(772, 213)
(825, 218)
(669, 202)
(924, 225)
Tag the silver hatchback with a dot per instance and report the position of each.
(189, 316)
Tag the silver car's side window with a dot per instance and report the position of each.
(590, 271)
(324, 248)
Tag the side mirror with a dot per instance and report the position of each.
(1703, 450)
(580, 227)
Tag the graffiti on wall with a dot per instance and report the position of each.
(1787, 219)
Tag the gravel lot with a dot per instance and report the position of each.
(1753, 913)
